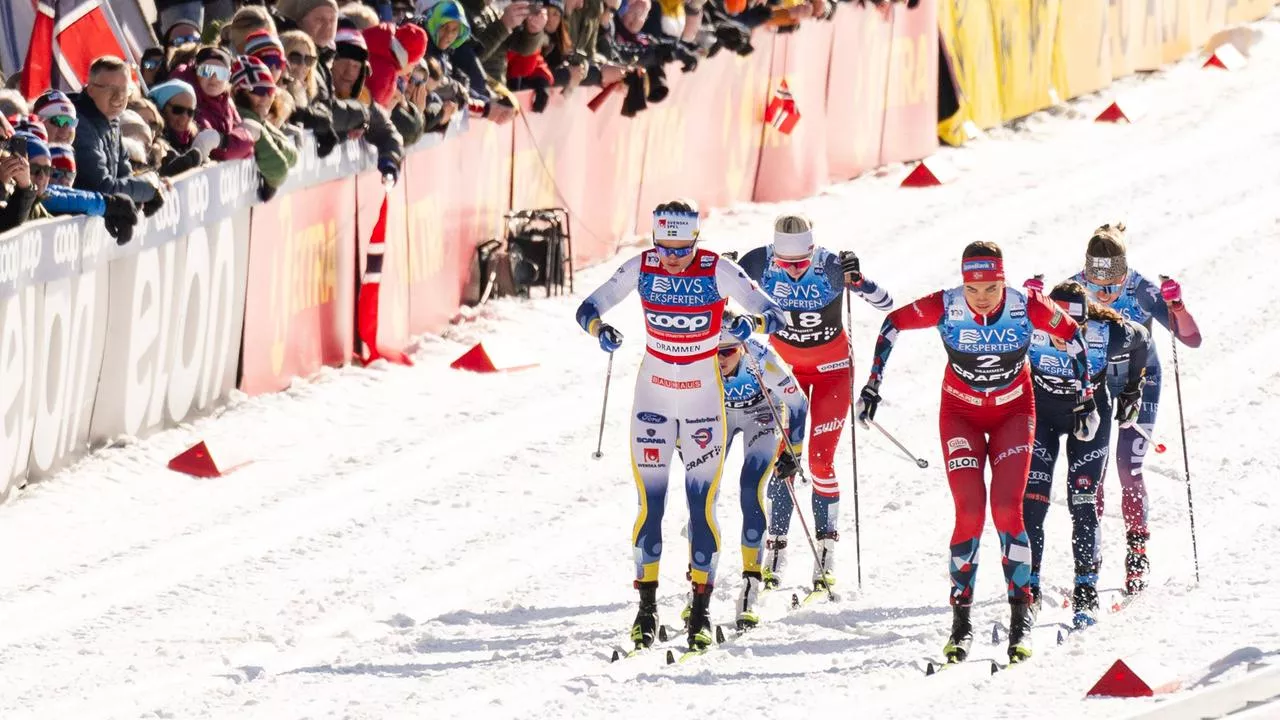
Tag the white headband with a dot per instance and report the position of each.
(675, 225)
(793, 244)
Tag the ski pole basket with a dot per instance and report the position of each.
(540, 249)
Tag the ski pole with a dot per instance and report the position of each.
(920, 462)
(853, 435)
(1182, 426)
(1160, 447)
(777, 422)
(608, 375)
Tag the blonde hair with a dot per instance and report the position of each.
(1107, 241)
(363, 16)
(793, 224)
(300, 42)
(248, 19)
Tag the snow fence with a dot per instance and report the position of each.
(218, 291)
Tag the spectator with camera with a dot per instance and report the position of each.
(348, 117)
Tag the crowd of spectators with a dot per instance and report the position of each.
(251, 81)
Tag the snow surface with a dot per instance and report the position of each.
(424, 543)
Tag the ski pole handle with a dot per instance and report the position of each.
(920, 462)
(1160, 447)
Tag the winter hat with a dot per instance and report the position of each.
(214, 53)
(408, 45)
(262, 42)
(557, 4)
(164, 92)
(1072, 298)
(63, 157)
(351, 45)
(32, 126)
(132, 125)
(444, 12)
(52, 103)
(1105, 255)
(190, 13)
(249, 73)
(36, 147)
(295, 10)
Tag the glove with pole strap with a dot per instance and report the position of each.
(786, 466)
(1087, 419)
(868, 401)
(850, 267)
(1128, 404)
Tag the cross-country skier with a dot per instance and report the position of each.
(809, 281)
(1110, 282)
(744, 365)
(678, 393)
(1108, 336)
(987, 412)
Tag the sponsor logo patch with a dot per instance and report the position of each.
(962, 463)
(652, 455)
(677, 384)
(702, 436)
(678, 322)
(832, 366)
(958, 443)
(651, 417)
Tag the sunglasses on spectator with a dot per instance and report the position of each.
(63, 177)
(1096, 289)
(263, 90)
(669, 252)
(62, 121)
(151, 63)
(796, 265)
(180, 109)
(184, 39)
(297, 58)
(210, 70)
(272, 61)
(41, 171)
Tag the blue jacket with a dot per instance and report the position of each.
(60, 200)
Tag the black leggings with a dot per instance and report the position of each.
(1087, 463)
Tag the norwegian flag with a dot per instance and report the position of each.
(370, 290)
(67, 36)
(782, 112)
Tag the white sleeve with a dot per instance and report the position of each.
(778, 379)
(616, 289)
(732, 282)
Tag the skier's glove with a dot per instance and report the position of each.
(786, 466)
(850, 267)
(1128, 405)
(1035, 284)
(867, 403)
(609, 337)
(741, 327)
(1087, 419)
(1171, 291)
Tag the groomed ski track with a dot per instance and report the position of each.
(413, 543)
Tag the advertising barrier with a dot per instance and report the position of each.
(911, 93)
(857, 89)
(1024, 32)
(794, 165)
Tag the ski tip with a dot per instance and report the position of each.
(795, 600)
(662, 633)
(930, 669)
(995, 667)
(719, 634)
(616, 655)
(671, 658)
(995, 633)
(1062, 637)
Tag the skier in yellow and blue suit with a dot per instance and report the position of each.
(679, 396)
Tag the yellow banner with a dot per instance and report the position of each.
(1024, 32)
(966, 30)
(1082, 49)
(1243, 11)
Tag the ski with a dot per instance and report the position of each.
(720, 639)
(622, 653)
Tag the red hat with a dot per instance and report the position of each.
(409, 45)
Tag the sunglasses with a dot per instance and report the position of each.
(273, 61)
(209, 70)
(793, 264)
(669, 252)
(184, 39)
(63, 177)
(151, 63)
(1107, 289)
(41, 171)
(727, 351)
(62, 121)
(297, 58)
(180, 109)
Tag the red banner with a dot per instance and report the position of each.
(911, 104)
(704, 138)
(457, 192)
(393, 295)
(301, 291)
(794, 164)
(857, 89)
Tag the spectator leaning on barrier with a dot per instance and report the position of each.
(190, 145)
(393, 52)
(35, 198)
(350, 70)
(301, 81)
(319, 19)
(527, 69)
(211, 78)
(446, 84)
(274, 153)
(483, 60)
(100, 159)
(568, 68)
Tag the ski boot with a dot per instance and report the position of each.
(747, 617)
(1084, 603)
(824, 576)
(957, 648)
(1136, 564)
(775, 558)
(700, 618)
(1022, 617)
(645, 628)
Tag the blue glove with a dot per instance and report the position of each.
(610, 338)
(741, 327)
